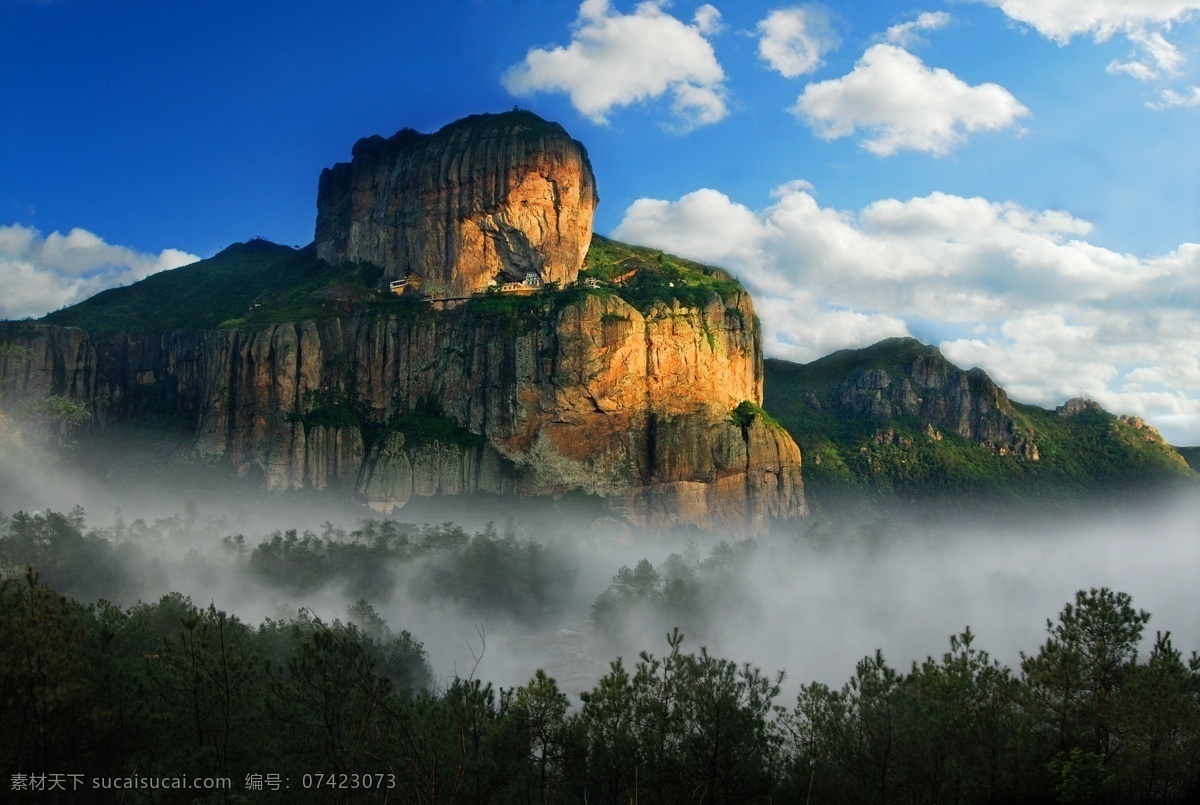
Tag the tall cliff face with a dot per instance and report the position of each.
(488, 197)
(591, 395)
(623, 387)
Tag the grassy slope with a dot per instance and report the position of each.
(260, 282)
(1089, 454)
(1191, 455)
(660, 277)
(257, 282)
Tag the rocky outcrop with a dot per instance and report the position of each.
(591, 395)
(1076, 406)
(921, 383)
(1148, 433)
(489, 197)
(502, 394)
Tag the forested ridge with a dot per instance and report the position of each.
(170, 688)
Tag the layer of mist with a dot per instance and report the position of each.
(811, 599)
(816, 607)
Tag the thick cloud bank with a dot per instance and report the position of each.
(1019, 292)
(41, 273)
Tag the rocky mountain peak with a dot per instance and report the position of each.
(489, 198)
(901, 377)
(1077, 405)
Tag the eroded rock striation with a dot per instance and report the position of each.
(592, 396)
(927, 386)
(487, 198)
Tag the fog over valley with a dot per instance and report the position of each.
(811, 598)
(510, 645)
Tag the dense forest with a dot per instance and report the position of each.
(306, 709)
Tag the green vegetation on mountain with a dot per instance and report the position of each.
(252, 283)
(644, 276)
(746, 412)
(424, 424)
(1191, 455)
(877, 451)
(259, 282)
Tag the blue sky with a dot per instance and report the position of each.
(1015, 181)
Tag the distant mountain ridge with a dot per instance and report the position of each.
(897, 422)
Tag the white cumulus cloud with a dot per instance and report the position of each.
(1169, 98)
(41, 273)
(901, 104)
(906, 34)
(1020, 292)
(1061, 20)
(793, 40)
(1153, 57)
(1143, 22)
(616, 59)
